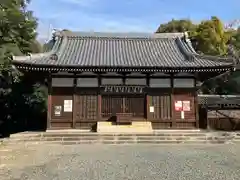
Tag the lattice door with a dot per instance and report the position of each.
(112, 105)
(87, 107)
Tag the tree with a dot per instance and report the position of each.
(173, 26)
(208, 37)
(17, 31)
(211, 38)
(236, 39)
(35, 47)
(17, 37)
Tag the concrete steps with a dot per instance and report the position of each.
(160, 137)
(135, 127)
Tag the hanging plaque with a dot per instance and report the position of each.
(67, 105)
(186, 105)
(57, 110)
(178, 105)
(118, 89)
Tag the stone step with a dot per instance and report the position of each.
(106, 134)
(157, 137)
(112, 135)
(121, 139)
(124, 142)
(148, 137)
(77, 138)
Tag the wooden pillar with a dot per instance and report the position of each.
(99, 108)
(148, 100)
(174, 124)
(207, 120)
(99, 100)
(49, 110)
(196, 103)
(74, 102)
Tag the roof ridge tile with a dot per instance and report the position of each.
(123, 35)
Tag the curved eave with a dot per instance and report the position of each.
(52, 68)
(31, 56)
(189, 51)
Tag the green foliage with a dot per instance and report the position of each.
(173, 26)
(17, 30)
(236, 39)
(20, 97)
(209, 37)
(17, 24)
(35, 47)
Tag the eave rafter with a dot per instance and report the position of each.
(122, 69)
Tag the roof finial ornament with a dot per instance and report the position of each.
(54, 57)
(56, 32)
(186, 36)
(29, 55)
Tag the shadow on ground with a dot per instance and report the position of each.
(36, 123)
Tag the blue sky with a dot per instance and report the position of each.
(125, 15)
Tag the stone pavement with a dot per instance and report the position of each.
(136, 162)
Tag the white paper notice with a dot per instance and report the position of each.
(151, 109)
(178, 105)
(182, 114)
(67, 105)
(57, 110)
(186, 106)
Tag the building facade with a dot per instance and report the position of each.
(123, 78)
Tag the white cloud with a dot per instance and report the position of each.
(83, 3)
(80, 20)
(88, 22)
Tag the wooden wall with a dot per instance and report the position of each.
(62, 119)
(90, 106)
(220, 119)
(162, 115)
(189, 120)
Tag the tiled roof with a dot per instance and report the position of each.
(161, 52)
(218, 99)
(235, 114)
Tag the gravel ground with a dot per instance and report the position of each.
(100, 162)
